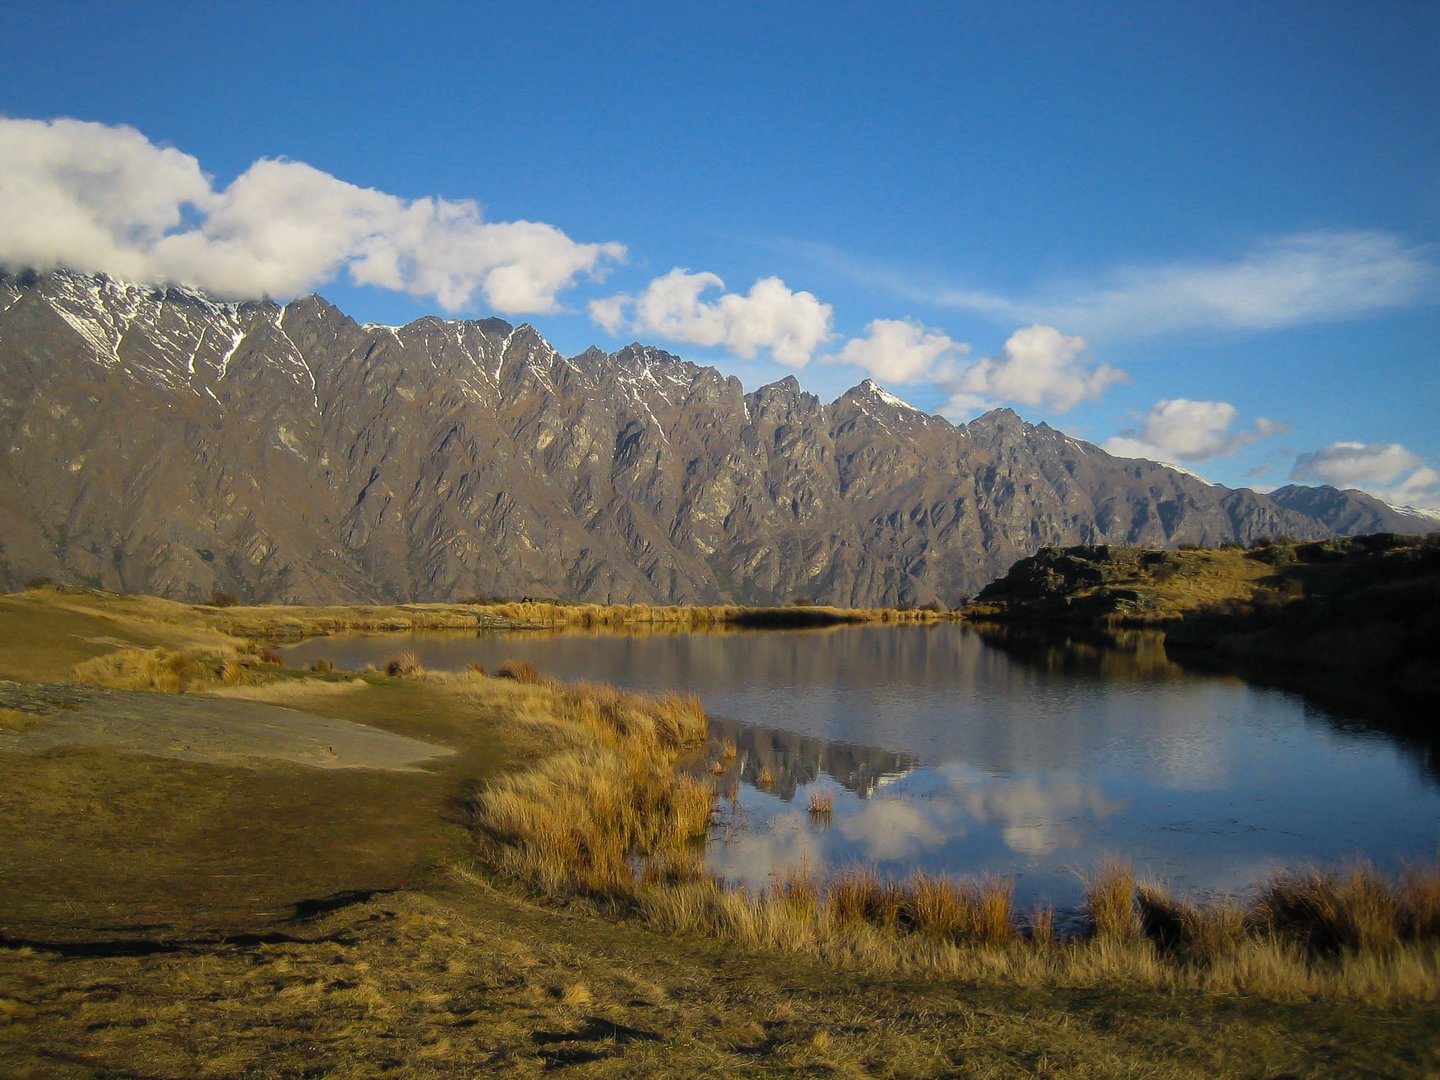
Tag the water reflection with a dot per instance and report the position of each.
(782, 762)
(1029, 758)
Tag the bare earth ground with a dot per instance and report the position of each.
(238, 915)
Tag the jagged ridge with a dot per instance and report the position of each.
(157, 441)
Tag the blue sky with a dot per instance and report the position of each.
(1205, 233)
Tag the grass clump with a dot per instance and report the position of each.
(405, 665)
(1354, 909)
(521, 671)
(166, 671)
(1110, 904)
(584, 819)
(957, 911)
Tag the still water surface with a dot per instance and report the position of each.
(1034, 762)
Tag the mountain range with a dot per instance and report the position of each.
(158, 441)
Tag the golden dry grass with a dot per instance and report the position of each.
(607, 816)
(521, 671)
(405, 665)
(481, 982)
(1110, 901)
(475, 982)
(290, 691)
(166, 671)
(579, 818)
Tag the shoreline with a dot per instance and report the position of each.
(475, 964)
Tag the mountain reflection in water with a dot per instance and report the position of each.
(783, 762)
(1028, 758)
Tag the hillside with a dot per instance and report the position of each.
(1364, 608)
(160, 442)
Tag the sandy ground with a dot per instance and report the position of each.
(202, 729)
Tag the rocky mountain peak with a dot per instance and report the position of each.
(158, 440)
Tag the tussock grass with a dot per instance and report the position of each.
(404, 665)
(535, 613)
(1040, 927)
(822, 803)
(521, 671)
(1354, 909)
(1196, 934)
(608, 817)
(580, 820)
(167, 671)
(290, 622)
(1110, 903)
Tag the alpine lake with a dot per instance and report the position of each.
(997, 755)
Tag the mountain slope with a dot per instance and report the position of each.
(156, 441)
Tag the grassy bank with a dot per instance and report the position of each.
(200, 624)
(1363, 608)
(609, 819)
(537, 901)
(605, 813)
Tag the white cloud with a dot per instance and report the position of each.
(901, 351)
(1295, 280)
(609, 313)
(1184, 430)
(1386, 470)
(98, 198)
(1035, 816)
(90, 196)
(898, 831)
(790, 325)
(1038, 366)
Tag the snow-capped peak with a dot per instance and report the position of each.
(1188, 472)
(885, 396)
(1415, 511)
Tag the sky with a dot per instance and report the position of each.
(1204, 233)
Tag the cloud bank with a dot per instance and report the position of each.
(789, 325)
(93, 197)
(1184, 430)
(1386, 470)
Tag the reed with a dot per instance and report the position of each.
(822, 804)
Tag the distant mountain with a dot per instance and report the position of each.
(158, 441)
(1352, 512)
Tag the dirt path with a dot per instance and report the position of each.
(204, 729)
